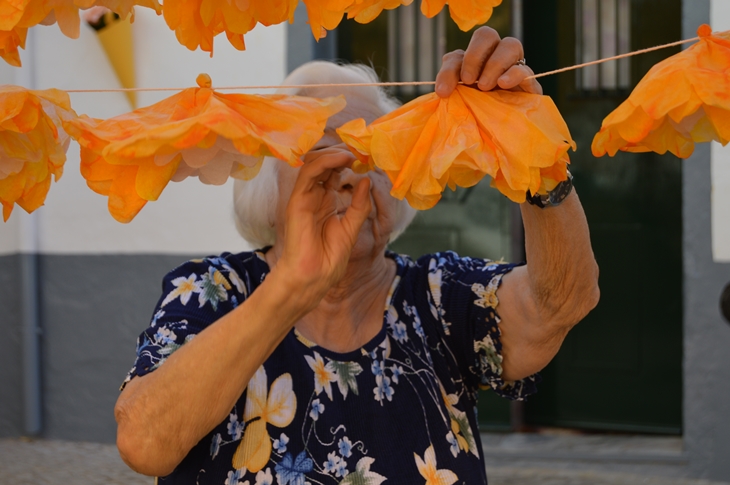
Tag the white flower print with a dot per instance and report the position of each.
(184, 288)
(383, 390)
(317, 409)
(345, 446)
(235, 428)
(280, 443)
(215, 445)
(165, 336)
(377, 367)
(397, 372)
(487, 297)
(324, 374)
(454, 444)
(341, 469)
(233, 477)
(332, 463)
(264, 477)
(417, 326)
(236, 280)
(397, 328)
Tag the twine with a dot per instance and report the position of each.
(389, 84)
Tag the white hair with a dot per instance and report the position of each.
(255, 200)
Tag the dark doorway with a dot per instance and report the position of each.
(619, 369)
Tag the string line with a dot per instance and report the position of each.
(389, 84)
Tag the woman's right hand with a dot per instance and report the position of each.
(322, 222)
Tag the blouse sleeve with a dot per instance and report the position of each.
(463, 297)
(194, 295)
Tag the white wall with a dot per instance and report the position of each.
(720, 21)
(190, 217)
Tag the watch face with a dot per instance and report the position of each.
(561, 191)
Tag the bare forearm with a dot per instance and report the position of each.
(162, 415)
(541, 302)
(563, 274)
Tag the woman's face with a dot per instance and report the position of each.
(375, 232)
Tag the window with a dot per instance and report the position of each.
(603, 29)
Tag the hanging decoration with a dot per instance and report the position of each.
(16, 17)
(197, 22)
(431, 143)
(198, 132)
(683, 100)
(466, 13)
(365, 11)
(33, 144)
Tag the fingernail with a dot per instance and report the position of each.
(502, 79)
(440, 87)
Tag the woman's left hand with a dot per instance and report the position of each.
(488, 63)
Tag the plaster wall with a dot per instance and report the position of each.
(98, 280)
(93, 309)
(11, 391)
(720, 21)
(706, 334)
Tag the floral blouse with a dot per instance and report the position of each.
(401, 409)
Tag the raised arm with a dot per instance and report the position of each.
(163, 414)
(540, 302)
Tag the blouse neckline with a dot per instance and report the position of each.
(374, 342)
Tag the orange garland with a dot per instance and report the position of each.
(682, 100)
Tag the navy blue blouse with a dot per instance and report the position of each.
(401, 409)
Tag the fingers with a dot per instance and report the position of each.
(504, 57)
(450, 73)
(359, 209)
(489, 62)
(482, 46)
(515, 79)
(320, 166)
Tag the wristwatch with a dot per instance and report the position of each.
(554, 197)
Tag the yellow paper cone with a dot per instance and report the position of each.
(116, 39)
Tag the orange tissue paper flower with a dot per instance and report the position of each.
(33, 144)
(683, 100)
(10, 41)
(198, 132)
(196, 22)
(466, 13)
(518, 139)
(17, 16)
(364, 11)
(325, 15)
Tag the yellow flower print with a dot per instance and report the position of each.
(428, 469)
(459, 423)
(487, 296)
(324, 374)
(277, 408)
(184, 288)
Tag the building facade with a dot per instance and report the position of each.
(76, 287)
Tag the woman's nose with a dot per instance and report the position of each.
(348, 180)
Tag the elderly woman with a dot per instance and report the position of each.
(325, 359)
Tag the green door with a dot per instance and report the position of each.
(402, 45)
(619, 369)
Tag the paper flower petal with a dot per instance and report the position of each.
(519, 139)
(197, 22)
(10, 41)
(466, 13)
(325, 15)
(32, 144)
(17, 16)
(683, 100)
(364, 11)
(198, 132)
